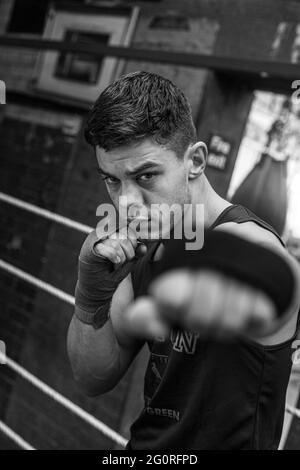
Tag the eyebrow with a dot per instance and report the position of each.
(135, 171)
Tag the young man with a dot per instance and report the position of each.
(220, 332)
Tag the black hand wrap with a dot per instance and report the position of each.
(97, 282)
(241, 259)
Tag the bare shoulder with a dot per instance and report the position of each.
(257, 234)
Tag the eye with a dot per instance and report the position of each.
(110, 180)
(146, 177)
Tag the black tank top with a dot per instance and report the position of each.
(206, 394)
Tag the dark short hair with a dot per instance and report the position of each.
(137, 106)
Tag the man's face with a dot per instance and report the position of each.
(146, 174)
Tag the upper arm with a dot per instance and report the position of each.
(253, 232)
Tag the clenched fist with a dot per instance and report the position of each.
(207, 302)
(120, 247)
(231, 286)
(102, 265)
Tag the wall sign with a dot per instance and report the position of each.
(218, 152)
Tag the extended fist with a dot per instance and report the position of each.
(204, 301)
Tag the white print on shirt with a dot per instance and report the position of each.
(184, 341)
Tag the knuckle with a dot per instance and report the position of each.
(109, 252)
(101, 249)
(115, 244)
(125, 243)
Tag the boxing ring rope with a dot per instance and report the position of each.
(99, 425)
(60, 294)
(292, 411)
(46, 389)
(15, 437)
(37, 282)
(45, 213)
(68, 404)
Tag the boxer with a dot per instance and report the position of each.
(219, 321)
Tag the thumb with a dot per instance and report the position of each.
(144, 319)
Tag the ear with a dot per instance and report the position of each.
(196, 159)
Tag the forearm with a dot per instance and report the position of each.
(95, 356)
(100, 343)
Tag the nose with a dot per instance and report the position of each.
(130, 198)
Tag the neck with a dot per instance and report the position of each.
(213, 203)
(213, 206)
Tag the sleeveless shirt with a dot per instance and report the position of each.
(205, 394)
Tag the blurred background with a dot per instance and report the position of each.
(236, 60)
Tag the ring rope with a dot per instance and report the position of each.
(15, 437)
(59, 398)
(293, 411)
(45, 213)
(77, 410)
(60, 294)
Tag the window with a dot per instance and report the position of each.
(80, 67)
(76, 75)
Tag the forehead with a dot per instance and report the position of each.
(129, 158)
